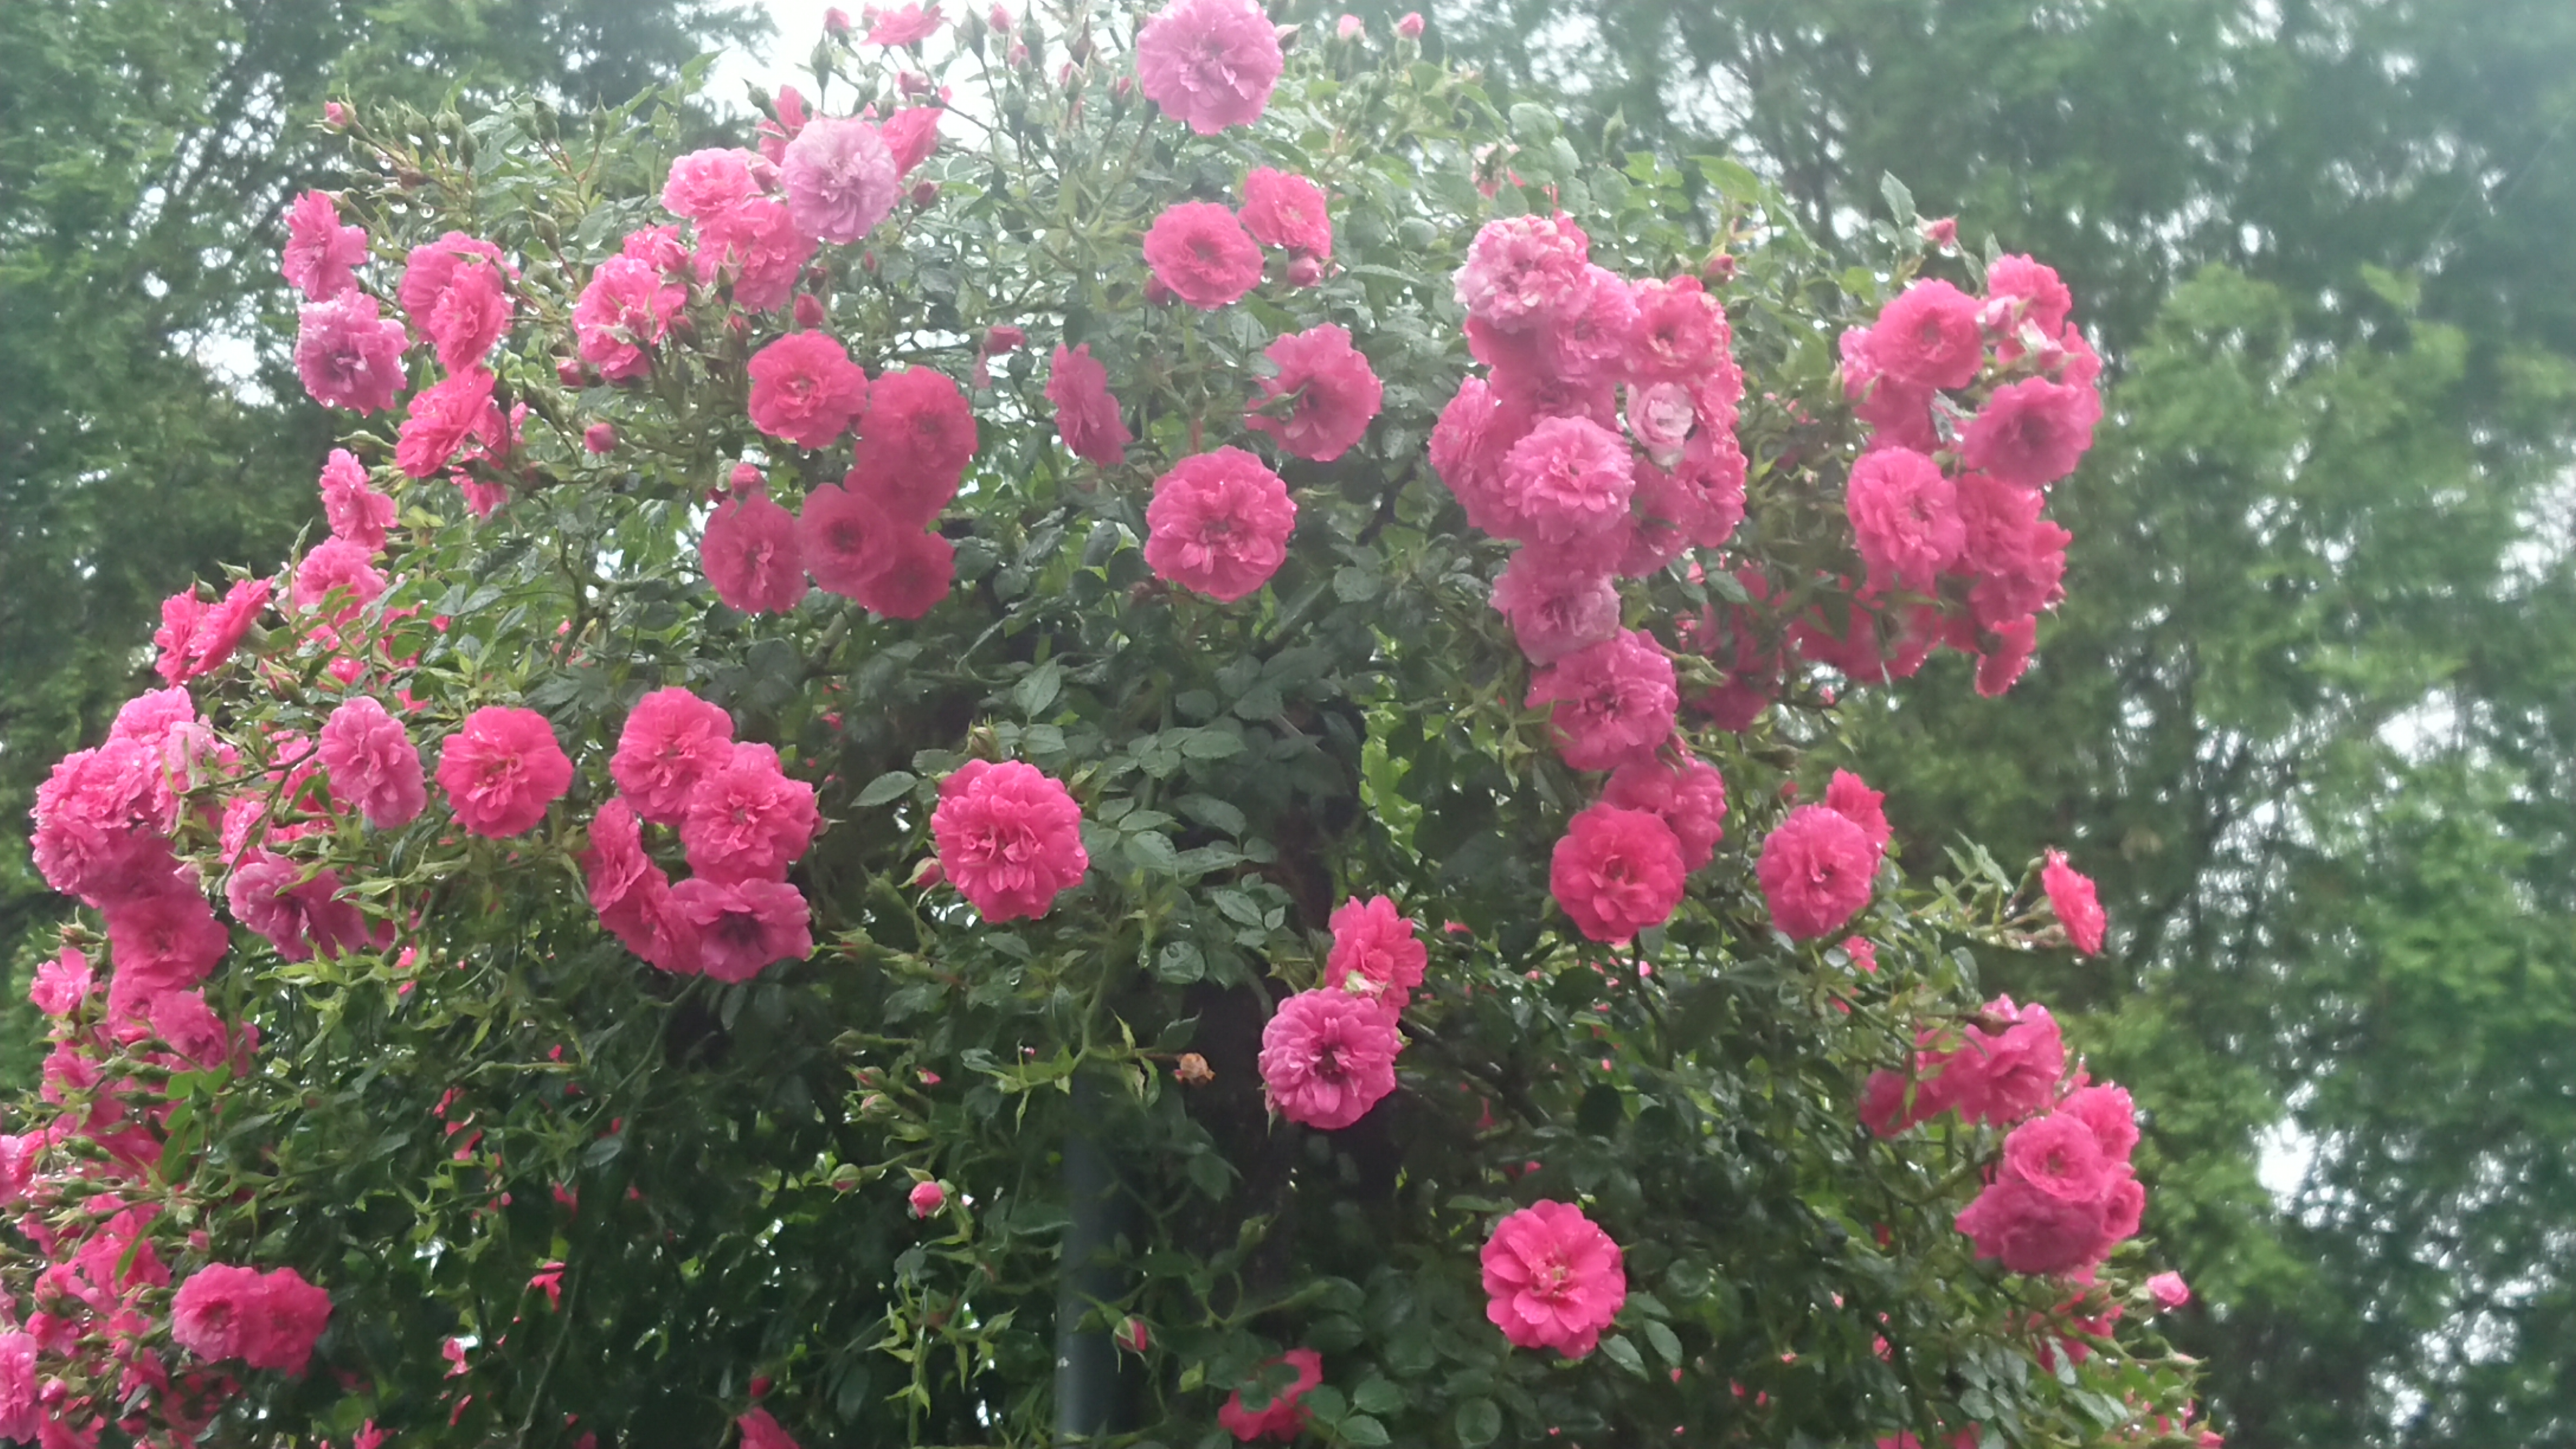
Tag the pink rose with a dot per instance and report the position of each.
(2078, 907)
(1905, 517)
(927, 1198)
(1523, 270)
(1929, 336)
(1558, 599)
(806, 390)
(1331, 394)
(1816, 871)
(1616, 872)
(627, 308)
(2169, 1290)
(840, 177)
(373, 766)
(1009, 838)
(1688, 795)
(2031, 433)
(915, 440)
(455, 290)
(751, 555)
(1568, 478)
(670, 742)
(501, 770)
(1086, 416)
(1660, 416)
(1198, 249)
(1219, 524)
(1327, 1057)
(322, 256)
(746, 819)
(744, 925)
(1552, 1278)
(1276, 1386)
(1614, 701)
(348, 355)
(1284, 210)
(905, 25)
(1209, 64)
(1376, 953)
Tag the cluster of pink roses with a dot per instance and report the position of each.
(1328, 1055)
(1946, 503)
(2064, 1192)
(869, 537)
(741, 823)
(1534, 453)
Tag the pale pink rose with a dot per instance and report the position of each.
(1209, 64)
(841, 179)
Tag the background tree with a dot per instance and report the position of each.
(2316, 670)
(150, 428)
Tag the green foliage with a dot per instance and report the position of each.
(149, 426)
(719, 1170)
(2318, 597)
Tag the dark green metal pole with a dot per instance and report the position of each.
(1086, 1361)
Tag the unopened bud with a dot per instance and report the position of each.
(1719, 269)
(599, 438)
(1410, 27)
(924, 193)
(1003, 338)
(337, 116)
(1349, 27)
(744, 478)
(1001, 20)
(809, 311)
(1132, 1336)
(1305, 271)
(836, 21)
(1943, 233)
(927, 1198)
(568, 371)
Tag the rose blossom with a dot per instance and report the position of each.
(1905, 516)
(63, 981)
(840, 179)
(750, 555)
(21, 1415)
(806, 390)
(2169, 1290)
(1334, 394)
(1556, 600)
(455, 292)
(2033, 289)
(1199, 251)
(2032, 432)
(322, 256)
(267, 1320)
(195, 637)
(1816, 870)
(299, 916)
(348, 355)
(626, 308)
(1616, 872)
(1283, 1417)
(1284, 210)
(501, 770)
(162, 941)
(1688, 795)
(633, 895)
(744, 925)
(1475, 434)
(1589, 338)
(1613, 701)
(915, 440)
(1552, 1278)
(353, 508)
(1850, 797)
(1209, 64)
(103, 819)
(1681, 334)
(2078, 908)
(671, 741)
(1660, 416)
(911, 134)
(707, 183)
(1219, 524)
(443, 418)
(1086, 416)
(373, 767)
(1522, 270)
(758, 241)
(905, 25)
(746, 819)
(337, 568)
(1376, 954)
(1929, 336)
(1568, 478)
(1327, 1057)
(1009, 838)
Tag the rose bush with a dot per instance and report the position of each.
(1220, 616)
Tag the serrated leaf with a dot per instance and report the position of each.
(1038, 688)
(1666, 1343)
(1900, 202)
(1624, 1354)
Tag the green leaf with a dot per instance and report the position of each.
(1377, 1396)
(1900, 202)
(1624, 1354)
(892, 785)
(1478, 1421)
(1363, 1430)
(1666, 1343)
(1037, 689)
(1153, 852)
